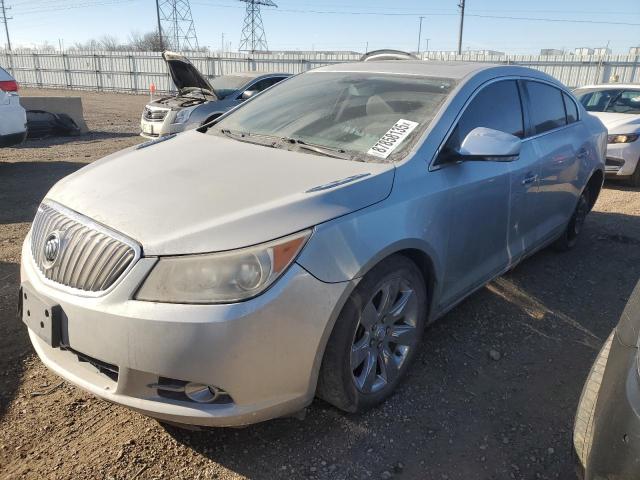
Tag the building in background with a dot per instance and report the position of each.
(583, 51)
(551, 52)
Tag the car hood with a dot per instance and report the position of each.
(196, 193)
(618, 122)
(184, 74)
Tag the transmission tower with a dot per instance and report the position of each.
(253, 36)
(177, 30)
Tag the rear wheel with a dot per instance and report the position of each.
(375, 336)
(569, 237)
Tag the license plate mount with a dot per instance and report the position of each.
(42, 316)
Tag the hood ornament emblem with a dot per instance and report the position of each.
(51, 249)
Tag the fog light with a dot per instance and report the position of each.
(201, 393)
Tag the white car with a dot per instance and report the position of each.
(618, 107)
(13, 118)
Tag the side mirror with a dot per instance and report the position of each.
(247, 94)
(492, 145)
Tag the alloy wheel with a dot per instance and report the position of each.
(385, 334)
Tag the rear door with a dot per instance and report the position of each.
(485, 231)
(561, 144)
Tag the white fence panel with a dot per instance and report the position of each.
(135, 71)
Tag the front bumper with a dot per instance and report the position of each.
(615, 452)
(622, 159)
(160, 128)
(265, 352)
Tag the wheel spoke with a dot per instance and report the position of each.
(389, 365)
(403, 335)
(398, 310)
(389, 293)
(359, 352)
(368, 376)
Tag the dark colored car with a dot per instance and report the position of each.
(606, 435)
(199, 101)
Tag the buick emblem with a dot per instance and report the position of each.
(51, 249)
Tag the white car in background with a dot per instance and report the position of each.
(618, 107)
(13, 118)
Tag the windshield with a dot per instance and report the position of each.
(614, 100)
(344, 110)
(227, 84)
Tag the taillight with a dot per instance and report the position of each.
(9, 85)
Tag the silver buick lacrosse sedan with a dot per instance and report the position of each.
(298, 245)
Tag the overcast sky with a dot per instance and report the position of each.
(335, 25)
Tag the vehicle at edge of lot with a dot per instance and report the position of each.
(13, 117)
(305, 239)
(199, 101)
(618, 107)
(606, 432)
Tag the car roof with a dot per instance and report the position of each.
(603, 86)
(250, 75)
(455, 70)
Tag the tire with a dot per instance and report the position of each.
(569, 237)
(374, 340)
(634, 180)
(583, 424)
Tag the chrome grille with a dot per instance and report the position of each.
(90, 257)
(154, 115)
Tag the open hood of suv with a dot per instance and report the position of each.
(197, 193)
(184, 74)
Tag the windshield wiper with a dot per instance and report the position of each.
(322, 149)
(254, 138)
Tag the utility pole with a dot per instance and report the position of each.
(6, 19)
(420, 34)
(461, 6)
(159, 26)
(427, 39)
(222, 45)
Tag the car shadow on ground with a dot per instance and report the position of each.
(621, 185)
(52, 141)
(461, 413)
(24, 184)
(14, 341)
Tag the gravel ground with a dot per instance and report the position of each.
(492, 393)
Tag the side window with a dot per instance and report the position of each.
(627, 102)
(570, 107)
(546, 107)
(262, 85)
(496, 106)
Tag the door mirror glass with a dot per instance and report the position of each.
(492, 145)
(247, 94)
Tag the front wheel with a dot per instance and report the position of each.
(569, 237)
(375, 336)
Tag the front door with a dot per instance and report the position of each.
(481, 235)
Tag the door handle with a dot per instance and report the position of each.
(529, 178)
(582, 154)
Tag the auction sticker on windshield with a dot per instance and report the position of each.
(394, 137)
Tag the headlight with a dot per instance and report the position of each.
(622, 138)
(183, 115)
(221, 277)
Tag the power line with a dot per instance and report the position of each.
(417, 14)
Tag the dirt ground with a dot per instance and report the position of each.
(460, 414)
